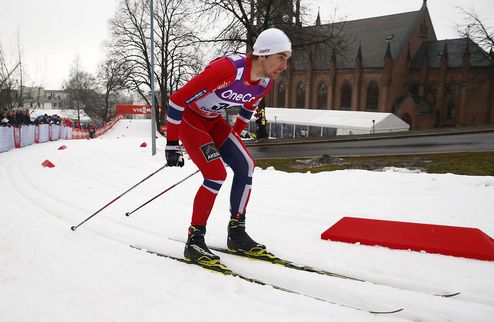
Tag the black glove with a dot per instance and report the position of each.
(173, 154)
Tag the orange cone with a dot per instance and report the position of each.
(63, 147)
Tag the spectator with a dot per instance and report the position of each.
(24, 118)
(4, 121)
(92, 130)
(67, 122)
(12, 117)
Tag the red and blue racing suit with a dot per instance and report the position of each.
(194, 117)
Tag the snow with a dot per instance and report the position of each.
(50, 273)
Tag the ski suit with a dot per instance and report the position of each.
(194, 117)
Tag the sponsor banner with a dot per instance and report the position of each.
(27, 135)
(133, 109)
(17, 137)
(79, 134)
(6, 138)
(43, 133)
(36, 134)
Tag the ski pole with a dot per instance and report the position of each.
(169, 188)
(73, 228)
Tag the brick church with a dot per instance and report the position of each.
(392, 64)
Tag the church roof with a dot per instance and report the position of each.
(372, 34)
(455, 49)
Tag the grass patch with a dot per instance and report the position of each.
(472, 163)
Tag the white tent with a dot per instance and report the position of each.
(344, 122)
(69, 114)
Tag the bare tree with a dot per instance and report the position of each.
(112, 76)
(241, 21)
(175, 56)
(475, 27)
(81, 86)
(7, 83)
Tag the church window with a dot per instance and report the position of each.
(372, 97)
(300, 95)
(451, 109)
(346, 96)
(322, 96)
(281, 95)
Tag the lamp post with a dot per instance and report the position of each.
(153, 103)
(275, 127)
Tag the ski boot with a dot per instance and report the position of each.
(240, 243)
(196, 250)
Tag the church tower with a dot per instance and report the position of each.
(276, 13)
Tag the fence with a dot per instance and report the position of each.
(18, 137)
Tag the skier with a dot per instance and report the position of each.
(194, 118)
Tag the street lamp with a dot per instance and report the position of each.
(153, 103)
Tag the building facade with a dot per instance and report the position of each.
(392, 64)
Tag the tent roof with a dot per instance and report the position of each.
(337, 119)
(69, 114)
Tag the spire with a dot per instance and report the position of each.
(318, 19)
(388, 54)
(444, 53)
(333, 56)
(424, 4)
(466, 55)
(444, 56)
(359, 52)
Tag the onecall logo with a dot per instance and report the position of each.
(231, 95)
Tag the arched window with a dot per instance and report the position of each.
(322, 96)
(372, 97)
(281, 94)
(431, 94)
(346, 97)
(451, 109)
(300, 95)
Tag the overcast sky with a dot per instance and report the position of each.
(53, 32)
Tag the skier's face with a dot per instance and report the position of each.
(274, 65)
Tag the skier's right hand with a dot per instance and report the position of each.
(173, 154)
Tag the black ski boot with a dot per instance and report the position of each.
(196, 250)
(240, 242)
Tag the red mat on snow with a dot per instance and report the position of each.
(438, 239)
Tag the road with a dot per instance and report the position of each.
(422, 144)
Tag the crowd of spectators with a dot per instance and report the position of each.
(20, 116)
(15, 117)
(46, 119)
